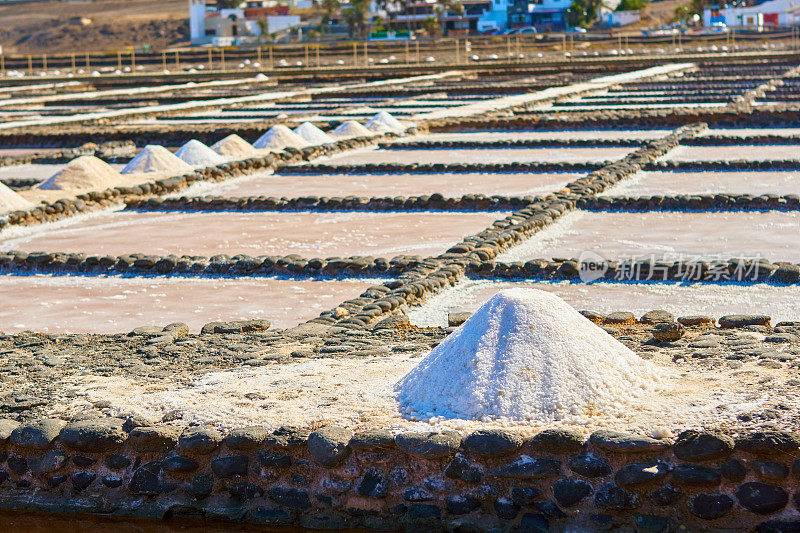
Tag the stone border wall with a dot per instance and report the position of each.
(693, 202)
(435, 201)
(330, 478)
(724, 165)
(84, 203)
(430, 168)
(514, 143)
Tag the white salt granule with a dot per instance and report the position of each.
(384, 122)
(11, 201)
(312, 134)
(233, 146)
(279, 136)
(155, 158)
(351, 128)
(84, 173)
(525, 355)
(197, 154)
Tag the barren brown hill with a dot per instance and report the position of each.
(65, 27)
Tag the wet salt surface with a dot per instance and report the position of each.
(668, 235)
(118, 304)
(393, 185)
(35, 170)
(541, 135)
(481, 155)
(686, 299)
(208, 234)
(668, 183)
(27, 151)
(764, 152)
(751, 131)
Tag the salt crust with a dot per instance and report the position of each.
(197, 154)
(156, 158)
(233, 146)
(312, 134)
(11, 201)
(525, 355)
(351, 128)
(279, 136)
(85, 172)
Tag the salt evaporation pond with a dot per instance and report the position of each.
(542, 135)
(670, 235)
(669, 183)
(681, 299)
(749, 132)
(455, 185)
(118, 304)
(36, 170)
(208, 234)
(481, 155)
(764, 152)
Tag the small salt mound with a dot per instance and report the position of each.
(197, 154)
(155, 158)
(312, 134)
(278, 137)
(525, 355)
(85, 172)
(351, 128)
(384, 121)
(11, 201)
(233, 146)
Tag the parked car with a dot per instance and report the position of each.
(523, 31)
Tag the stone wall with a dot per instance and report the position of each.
(489, 480)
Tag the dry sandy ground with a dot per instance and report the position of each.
(50, 26)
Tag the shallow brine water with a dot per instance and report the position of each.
(667, 235)
(117, 304)
(449, 185)
(668, 183)
(481, 155)
(541, 135)
(764, 152)
(208, 234)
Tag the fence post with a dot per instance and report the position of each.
(210, 59)
(88, 63)
(318, 47)
(177, 60)
(258, 56)
(119, 60)
(271, 62)
(366, 55)
(222, 58)
(30, 64)
(418, 53)
(306, 50)
(355, 54)
(2, 63)
(72, 62)
(133, 60)
(408, 57)
(44, 61)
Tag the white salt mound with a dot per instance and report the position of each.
(278, 137)
(11, 201)
(197, 154)
(351, 128)
(383, 122)
(156, 158)
(85, 172)
(526, 355)
(233, 146)
(312, 134)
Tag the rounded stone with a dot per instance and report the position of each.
(614, 441)
(557, 441)
(621, 318)
(733, 470)
(589, 466)
(94, 436)
(696, 476)
(199, 440)
(710, 506)
(702, 446)
(762, 498)
(7, 426)
(376, 439)
(247, 438)
(569, 491)
(641, 473)
(429, 445)
(328, 446)
(613, 498)
(179, 464)
(492, 442)
(37, 434)
(656, 316)
(668, 331)
(740, 321)
(769, 443)
(153, 439)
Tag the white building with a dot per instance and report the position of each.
(225, 27)
(770, 13)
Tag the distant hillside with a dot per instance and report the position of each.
(64, 27)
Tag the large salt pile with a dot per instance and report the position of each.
(278, 137)
(155, 158)
(351, 128)
(85, 172)
(197, 154)
(383, 122)
(233, 146)
(11, 201)
(312, 134)
(526, 355)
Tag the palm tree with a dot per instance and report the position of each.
(356, 17)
